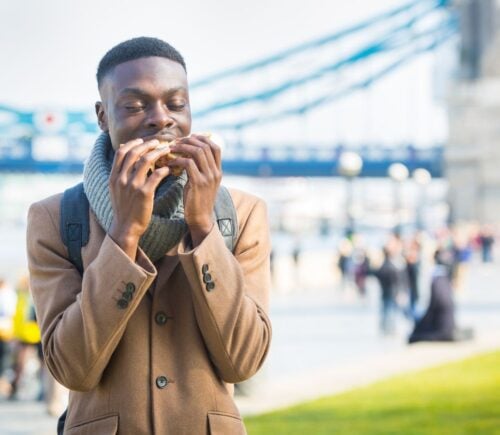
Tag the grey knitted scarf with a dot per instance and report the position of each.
(167, 225)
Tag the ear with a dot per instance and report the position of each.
(102, 118)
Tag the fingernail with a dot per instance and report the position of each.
(162, 147)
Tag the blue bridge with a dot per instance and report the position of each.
(59, 140)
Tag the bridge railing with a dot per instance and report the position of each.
(66, 155)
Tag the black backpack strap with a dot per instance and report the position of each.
(75, 223)
(75, 232)
(61, 421)
(225, 215)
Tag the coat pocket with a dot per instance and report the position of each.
(105, 425)
(221, 423)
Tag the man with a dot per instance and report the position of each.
(165, 318)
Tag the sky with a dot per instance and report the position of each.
(50, 50)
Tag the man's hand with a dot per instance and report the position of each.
(202, 163)
(132, 191)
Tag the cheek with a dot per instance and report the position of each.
(123, 130)
(186, 124)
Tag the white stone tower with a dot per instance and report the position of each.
(472, 155)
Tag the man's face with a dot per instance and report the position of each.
(144, 97)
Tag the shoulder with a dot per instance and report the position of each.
(253, 221)
(244, 201)
(247, 204)
(49, 207)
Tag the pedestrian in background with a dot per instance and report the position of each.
(27, 336)
(413, 258)
(487, 239)
(8, 300)
(438, 322)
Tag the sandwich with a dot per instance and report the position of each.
(163, 160)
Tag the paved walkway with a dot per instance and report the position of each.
(326, 342)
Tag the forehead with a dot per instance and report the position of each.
(148, 73)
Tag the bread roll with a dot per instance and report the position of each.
(163, 160)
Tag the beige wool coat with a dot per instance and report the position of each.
(152, 348)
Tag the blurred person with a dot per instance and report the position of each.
(54, 394)
(164, 318)
(344, 263)
(486, 240)
(361, 270)
(438, 322)
(296, 253)
(26, 334)
(412, 257)
(393, 283)
(8, 300)
(387, 276)
(462, 251)
(27, 345)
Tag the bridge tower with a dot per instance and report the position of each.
(472, 155)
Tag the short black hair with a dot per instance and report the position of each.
(135, 49)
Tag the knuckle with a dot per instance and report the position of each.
(143, 192)
(135, 153)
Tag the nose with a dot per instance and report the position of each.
(160, 117)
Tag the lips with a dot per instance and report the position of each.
(165, 137)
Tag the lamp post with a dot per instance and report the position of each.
(398, 173)
(422, 177)
(350, 166)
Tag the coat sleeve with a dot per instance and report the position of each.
(81, 319)
(231, 295)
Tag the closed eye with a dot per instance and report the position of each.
(176, 107)
(135, 108)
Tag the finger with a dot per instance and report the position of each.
(198, 151)
(135, 153)
(155, 178)
(147, 161)
(188, 165)
(216, 151)
(120, 155)
(214, 148)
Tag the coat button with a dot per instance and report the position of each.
(161, 382)
(127, 296)
(207, 278)
(161, 318)
(204, 268)
(130, 287)
(122, 304)
(210, 286)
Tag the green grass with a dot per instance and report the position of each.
(454, 399)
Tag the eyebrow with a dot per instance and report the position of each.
(142, 93)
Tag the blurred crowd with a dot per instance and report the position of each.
(397, 268)
(23, 374)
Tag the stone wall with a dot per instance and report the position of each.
(472, 155)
